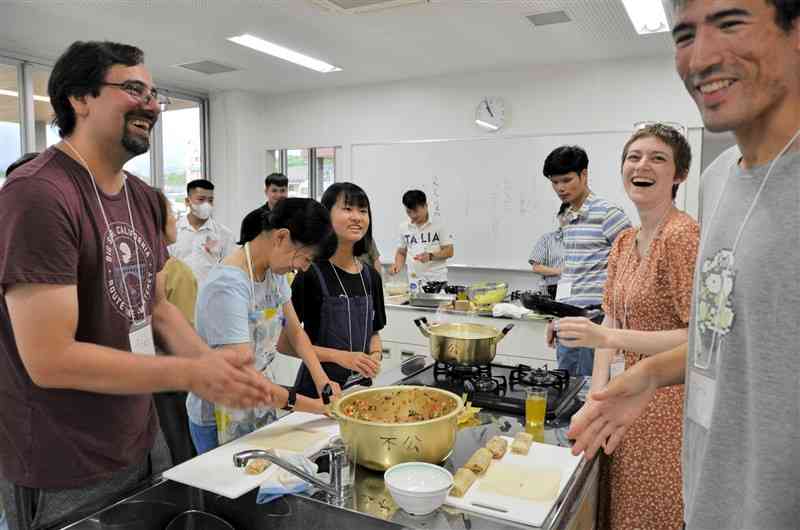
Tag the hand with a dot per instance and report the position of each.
(550, 334)
(337, 390)
(394, 269)
(608, 413)
(227, 377)
(580, 331)
(361, 363)
(425, 257)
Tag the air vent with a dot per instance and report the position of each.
(207, 67)
(361, 6)
(546, 19)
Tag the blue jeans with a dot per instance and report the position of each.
(204, 437)
(577, 361)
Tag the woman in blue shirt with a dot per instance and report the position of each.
(246, 304)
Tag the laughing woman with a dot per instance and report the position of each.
(340, 299)
(646, 302)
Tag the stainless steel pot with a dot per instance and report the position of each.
(465, 344)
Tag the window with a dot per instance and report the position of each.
(10, 125)
(45, 134)
(325, 167)
(306, 179)
(182, 157)
(297, 170)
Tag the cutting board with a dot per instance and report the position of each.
(516, 509)
(213, 471)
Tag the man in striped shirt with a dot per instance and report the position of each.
(592, 225)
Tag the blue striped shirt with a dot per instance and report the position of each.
(588, 237)
(549, 251)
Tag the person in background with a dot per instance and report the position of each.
(340, 299)
(739, 60)
(646, 303)
(246, 305)
(591, 226)
(81, 259)
(547, 256)
(428, 242)
(202, 241)
(276, 188)
(19, 162)
(181, 291)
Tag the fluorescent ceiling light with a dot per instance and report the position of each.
(16, 95)
(487, 125)
(647, 16)
(283, 53)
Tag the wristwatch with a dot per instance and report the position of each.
(290, 403)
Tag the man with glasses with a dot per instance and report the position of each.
(82, 296)
(739, 60)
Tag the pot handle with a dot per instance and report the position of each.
(505, 332)
(422, 324)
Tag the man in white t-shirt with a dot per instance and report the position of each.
(202, 242)
(427, 242)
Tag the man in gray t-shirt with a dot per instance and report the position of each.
(741, 450)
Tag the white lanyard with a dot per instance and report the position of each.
(739, 232)
(366, 308)
(113, 242)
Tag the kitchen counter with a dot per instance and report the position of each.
(372, 505)
(481, 313)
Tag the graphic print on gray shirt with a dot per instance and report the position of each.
(741, 450)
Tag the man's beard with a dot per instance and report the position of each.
(136, 145)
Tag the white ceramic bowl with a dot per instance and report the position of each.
(418, 487)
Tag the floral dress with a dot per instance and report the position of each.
(641, 482)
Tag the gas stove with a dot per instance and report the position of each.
(502, 388)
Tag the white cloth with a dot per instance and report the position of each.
(202, 248)
(510, 310)
(416, 240)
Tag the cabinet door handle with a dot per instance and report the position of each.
(406, 353)
(386, 353)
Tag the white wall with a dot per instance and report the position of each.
(547, 99)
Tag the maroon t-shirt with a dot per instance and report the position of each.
(52, 231)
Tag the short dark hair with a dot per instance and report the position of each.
(203, 184)
(786, 11)
(163, 203)
(19, 162)
(414, 198)
(352, 195)
(565, 159)
(81, 71)
(681, 150)
(276, 179)
(308, 222)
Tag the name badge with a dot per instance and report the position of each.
(700, 404)
(141, 337)
(563, 291)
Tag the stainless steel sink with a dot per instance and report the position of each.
(153, 508)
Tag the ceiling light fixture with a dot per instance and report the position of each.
(286, 54)
(13, 94)
(647, 16)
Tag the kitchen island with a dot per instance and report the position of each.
(371, 507)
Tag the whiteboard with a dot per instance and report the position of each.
(489, 192)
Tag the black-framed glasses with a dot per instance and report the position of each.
(142, 93)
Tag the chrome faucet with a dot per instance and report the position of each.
(335, 490)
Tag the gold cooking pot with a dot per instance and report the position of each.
(381, 443)
(465, 344)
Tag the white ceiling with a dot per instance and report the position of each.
(433, 38)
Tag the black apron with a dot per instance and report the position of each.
(336, 331)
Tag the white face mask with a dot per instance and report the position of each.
(202, 210)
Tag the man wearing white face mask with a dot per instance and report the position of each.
(202, 241)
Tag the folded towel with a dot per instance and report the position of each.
(284, 482)
(510, 310)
